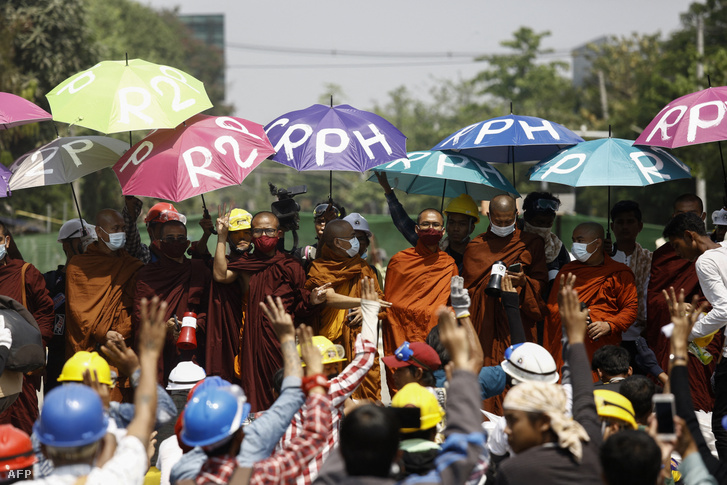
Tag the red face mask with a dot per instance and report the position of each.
(174, 249)
(430, 236)
(265, 243)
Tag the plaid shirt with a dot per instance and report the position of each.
(134, 245)
(341, 389)
(216, 471)
(286, 464)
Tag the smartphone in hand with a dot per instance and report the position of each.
(665, 410)
(515, 268)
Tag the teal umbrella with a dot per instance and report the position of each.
(446, 174)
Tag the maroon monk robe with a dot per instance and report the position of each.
(185, 288)
(24, 411)
(224, 318)
(668, 269)
(279, 276)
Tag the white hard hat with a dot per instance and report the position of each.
(358, 223)
(719, 217)
(184, 376)
(530, 362)
(74, 228)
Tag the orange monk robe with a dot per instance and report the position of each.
(609, 292)
(99, 297)
(488, 314)
(345, 275)
(418, 282)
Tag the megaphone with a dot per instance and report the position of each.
(188, 336)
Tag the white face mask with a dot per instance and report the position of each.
(502, 231)
(3, 252)
(580, 251)
(355, 246)
(117, 240)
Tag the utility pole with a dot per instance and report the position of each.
(602, 90)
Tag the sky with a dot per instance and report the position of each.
(273, 68)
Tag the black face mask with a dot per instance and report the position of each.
(174, 249)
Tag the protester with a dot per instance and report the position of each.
(412, 362)
(611, 363)
(606, 287)
(614, 410)
(22, 282)
(16, 455)
(323, 213)
(539, 211)
(184, 284)
(339, 265)
(364, 235)
(639, 390)
(631, 458)
(686, 233)
(719, 220)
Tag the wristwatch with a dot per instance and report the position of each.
(677, 358)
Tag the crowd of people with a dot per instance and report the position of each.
(497, 358)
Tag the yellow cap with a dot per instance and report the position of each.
(75, 366)
(414, 395)
(464, 204)
(611, 404)
(240, 220)
(329, 351)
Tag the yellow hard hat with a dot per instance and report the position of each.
(706, 340)
(611, 404)
(240, 219)
(414, 395)
(82, 360)
(329, 351)
(463, 204)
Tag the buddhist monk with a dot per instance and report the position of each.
(605, 286)
(184, 284)
(100, 286)
(417, 284)
(267, 271)
(338, 262)
(22, 282)
(669, 270)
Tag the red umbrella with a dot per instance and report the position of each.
(203, 154)
(16, 111)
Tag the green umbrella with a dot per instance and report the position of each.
(117, 96)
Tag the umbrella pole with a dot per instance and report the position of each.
(721, 159)
(78, 208)
(330, 182)
(129, 139)
(608, 215)
(441, 207)
(512, 159)
(206, 214)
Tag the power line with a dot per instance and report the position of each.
(350, 65)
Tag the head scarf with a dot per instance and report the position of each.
(549, 399)
(552, 242)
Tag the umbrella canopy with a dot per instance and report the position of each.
(445, 174)
(204, 154)
(610, 162)
(16, 111)
(5, 175)
(334, 138)
(116, 96)
(64, 160)
(509, 139)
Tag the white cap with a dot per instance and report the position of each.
(73, 228)
(358, 223)
(719, 218)
(530, 362)
(184, 376)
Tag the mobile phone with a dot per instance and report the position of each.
(515, 268)
(665, 410)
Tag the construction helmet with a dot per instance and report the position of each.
(185, 376)
(414, 395)
(529, 362)
(240, 220)
(164, 212)
(73, 415)
(329, 351)
(16, 450)
(82, 360)
(213, 415)
(611, 404)
(463, 204)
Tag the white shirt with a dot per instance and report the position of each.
(633, 331)
(169, 454)
(711, 269)
(128, 466)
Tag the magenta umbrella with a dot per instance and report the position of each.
(16, 111)
(203, 154)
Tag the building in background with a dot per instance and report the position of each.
(209, 29)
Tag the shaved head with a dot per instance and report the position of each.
(591, 228)
(265, 216)
(503, 203)
(337, 228)
(107, 217)
(426, 212)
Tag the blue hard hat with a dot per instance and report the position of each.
(72, 415)
(214, 414)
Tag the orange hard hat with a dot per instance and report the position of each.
(163, 212)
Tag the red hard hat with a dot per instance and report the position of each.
(157, 210)
(16, 449)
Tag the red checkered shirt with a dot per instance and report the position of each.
(286, 464)
(341, 389)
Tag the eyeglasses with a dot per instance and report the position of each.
(547, 204)
(427, 225)
(171, 239)
(270, 232)
(404, 354)
(322, 208)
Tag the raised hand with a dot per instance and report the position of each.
(574, 319)
(153, 326)
(683, 315)
(456, 340)
(318, 295)
(460, 297)
(282, 322)
(310, 354)
(120, 356)
(101, 389)
(368, 289)
(223, 221)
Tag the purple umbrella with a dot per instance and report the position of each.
(16, 111)
(339, 138)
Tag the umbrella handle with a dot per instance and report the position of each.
(206, 214)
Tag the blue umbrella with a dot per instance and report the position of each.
(447, 174)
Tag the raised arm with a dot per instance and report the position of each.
(220, 273)
(401, 219)
(460, 299)
(511, 302)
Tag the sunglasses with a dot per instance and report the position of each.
(547, 204)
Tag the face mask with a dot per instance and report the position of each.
(355, 246)
(3, 251)
(430, 236)
(365, 255)
(580, 251)
(543, 232)
(265, 244)
(502, 231)
(117, 240)
(174, 250)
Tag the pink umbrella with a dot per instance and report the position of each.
(203, 154)
(16, 111)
